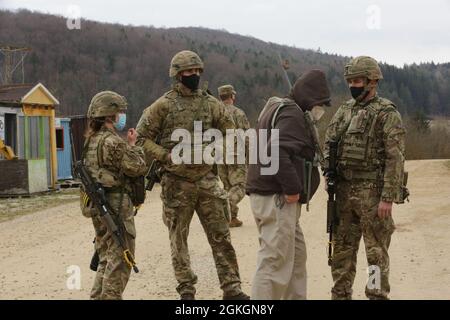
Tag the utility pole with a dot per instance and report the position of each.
(12, 59)
(285, 65)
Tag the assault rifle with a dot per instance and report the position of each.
(332, 219)
(96, 194)
(153, 175)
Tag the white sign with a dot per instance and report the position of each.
(58, 122)
(2, 127)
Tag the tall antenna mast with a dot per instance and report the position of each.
(285, 65)
(12, 59)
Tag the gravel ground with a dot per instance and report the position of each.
(37, 249)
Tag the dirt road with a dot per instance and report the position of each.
(37, 249)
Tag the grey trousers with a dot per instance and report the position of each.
(281, 262)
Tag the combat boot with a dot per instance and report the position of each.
(239, 296)
(187, 296)
(235, 222)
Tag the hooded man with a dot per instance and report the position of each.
(276, 199)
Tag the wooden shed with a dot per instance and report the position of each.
(28, 113)
(63, 148)
(78, 127)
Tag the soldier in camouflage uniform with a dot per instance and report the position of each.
(110, 161)
(234, 180)
(190, 187)
(370, 173)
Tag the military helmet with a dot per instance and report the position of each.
(184, 60)
(363, 66)
(226, 89)
(106, 103)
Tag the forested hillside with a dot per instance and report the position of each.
(134, 61)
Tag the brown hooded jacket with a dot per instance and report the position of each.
(295, 138)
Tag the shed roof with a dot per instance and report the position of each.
(13, 93)
(27, 93)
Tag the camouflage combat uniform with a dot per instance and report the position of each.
(370, 169)
(234, 180)
(190, 187)
(108, 158)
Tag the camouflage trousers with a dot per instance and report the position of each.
(113, 273)
(357, 205)
(234, 183)
(180, 199)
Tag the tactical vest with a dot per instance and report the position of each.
(182, 112)
(92, 159)
(361, 148)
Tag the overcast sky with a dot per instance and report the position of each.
(396, 32)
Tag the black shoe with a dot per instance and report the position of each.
(239, 296)
(187, 296)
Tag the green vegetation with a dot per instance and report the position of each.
(134, 61)
(11, 208)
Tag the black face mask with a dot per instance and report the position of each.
(191, 81)
(356, 91)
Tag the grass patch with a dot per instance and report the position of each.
(447, 164)
(11, 208)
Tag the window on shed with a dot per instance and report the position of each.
(60, 138)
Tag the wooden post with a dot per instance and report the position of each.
(27, 137)
(41, 138)
(54, 159)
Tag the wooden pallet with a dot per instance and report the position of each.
(66, 184)
(26, 195)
